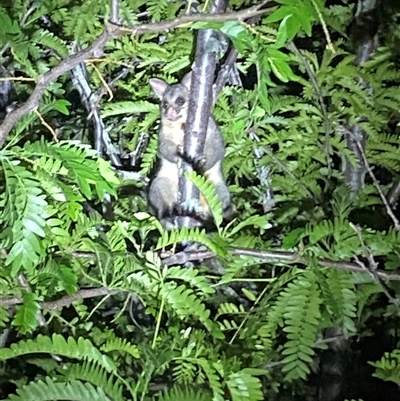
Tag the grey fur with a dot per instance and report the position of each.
(164, 189)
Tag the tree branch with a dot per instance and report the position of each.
(114, 14)
(280, 256)
(184, 257)
(90, 101)
(200, 102)
(96, 49)
(64, 301)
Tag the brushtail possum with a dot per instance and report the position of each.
(164, 191)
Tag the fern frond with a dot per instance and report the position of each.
(51, 41)
(25, 214)
(177, 64)
(182, 394)
(81, 349)
(149, 156)
(98, 376)
(297, 309)
(184, 371)
(117, 108)
(212, 376)
(121, 345)
(81, 162)
(228, 308)
(4, 317)
(388, 367)
(207, 189)
(340, 297)
(26, 317)
(157, 9)
(243, 386)
(228, 325)
(171, 237)
(192, 277)
(185, 303)
(302, 318)
(51, 390)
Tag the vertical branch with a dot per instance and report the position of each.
(114, 11)
(200, 102)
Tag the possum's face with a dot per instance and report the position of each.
(174, 99)
(174, 104)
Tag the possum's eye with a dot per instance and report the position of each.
(180, 101)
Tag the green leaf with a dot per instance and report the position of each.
(61, 105)
(8, 26)
(255, 221)
(232, 29)
(282, 35)
(207, 25)
(26, 317)
(53, 390)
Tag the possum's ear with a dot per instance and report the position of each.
(159, 86)
(187, 79)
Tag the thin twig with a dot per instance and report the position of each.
(16, 79)
(103, 81)
(389, 210)
(102, 139)
(372, 267)
(48, 126)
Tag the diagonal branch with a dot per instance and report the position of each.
(90, 101)
(375, 181)
(62, 302)
(96, 50)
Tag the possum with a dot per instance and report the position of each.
(164, 188)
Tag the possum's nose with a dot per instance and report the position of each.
(172, 113)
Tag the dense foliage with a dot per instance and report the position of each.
(308, 253)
